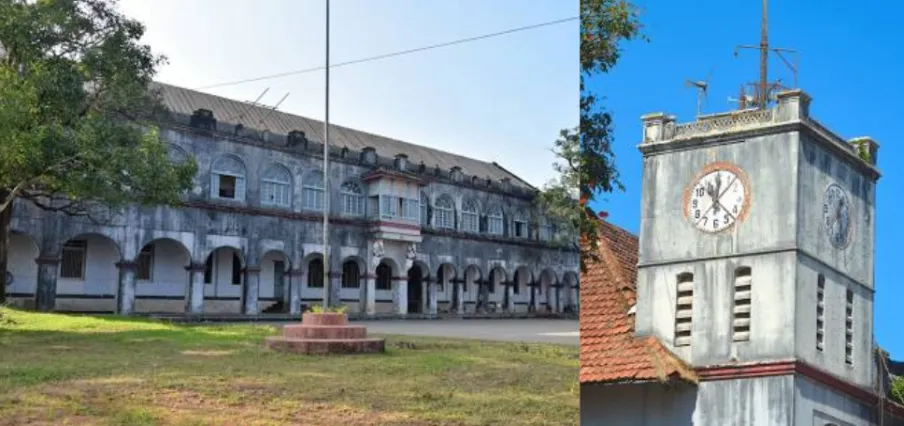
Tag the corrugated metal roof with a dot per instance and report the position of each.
(185, 101)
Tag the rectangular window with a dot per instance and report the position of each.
(72, 260)
(275, 194)
(740, 330)
(546, 233)
(313, 198)
(470, 222)
(227, 186)
(389, 206)
(520, 229)
(684, 309)
(145, 264)
(411, 209)
(820, 312)
(849, 329)
(444, 218)
(352, 204)
(494, 225)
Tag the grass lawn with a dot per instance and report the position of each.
(81, 370)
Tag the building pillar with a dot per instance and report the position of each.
(534, 296)
(45, 293)
(335, 283)
(368, 300)
(558, 291)
(194, 300)
(431, 296)
(125, 295)
(295, 280)
(576, 296)
(251, 290)
(400, 295)
(460, 290)
(509, 296)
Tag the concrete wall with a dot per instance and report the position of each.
(820, 406)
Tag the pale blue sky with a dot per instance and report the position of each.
(501, 99)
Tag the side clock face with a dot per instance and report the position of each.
(717, 200)
(836, 215)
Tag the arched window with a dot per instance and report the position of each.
(227, 179)
(176, 154)
(351, 275)
(444, 213)
(495, 221)
(547, 230)
(315, 273)
(470, 220)
(312, 191)
(276, 187)
(384, 277)
(352, 199)
(425, 213)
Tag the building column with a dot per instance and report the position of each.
(45, 293)
(460, 290)
(509, 296)
(557, 308)
(534, 300)
(368, 299)
(125, 296)
(431, 296)
(251, 290)
(335, 283)
(295, 280)
(194, 300)
(576, 296)
(400, 295)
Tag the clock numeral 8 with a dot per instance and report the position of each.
(696, 214)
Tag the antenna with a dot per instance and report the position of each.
(702, 90)
(763, 89)
(250, 104)
(273, 108)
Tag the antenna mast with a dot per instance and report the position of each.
(763, 88)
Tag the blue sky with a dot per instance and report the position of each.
(850, 63)
(502, 99)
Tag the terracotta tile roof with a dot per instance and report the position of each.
(610, 352)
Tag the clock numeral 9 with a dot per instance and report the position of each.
(734, 210)
(694, 203)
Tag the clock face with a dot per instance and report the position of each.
(836, 215)
(718, 199)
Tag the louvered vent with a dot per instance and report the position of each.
(820, 312)
(740, 321)
(684, 309)
(849, 329)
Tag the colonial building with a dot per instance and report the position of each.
(747, 298)
(412, 229)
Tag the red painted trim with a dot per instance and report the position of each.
(783, 368)
(369, 276)
(397, 225)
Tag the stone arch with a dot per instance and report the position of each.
(495, 220)
(87, 275)
(22, 271)
(274, 286)
(571, 280)
(386, 268)
(447, 291)
(228, 177)
(276, 186)
(496, 294)
(161, 277)
(224, 279)
(314, 266)
(547, 279)
(521, 278)
(472, 275)
(176, 154)
(418, 276)
(353, 269)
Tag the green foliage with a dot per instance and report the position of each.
(897, 389)
(318, 309)
(586, 162)
(75, 121)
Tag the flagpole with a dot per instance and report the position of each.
(326, 170)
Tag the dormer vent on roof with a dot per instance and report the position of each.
(343, 153)
(369, 155)
(203, 119)
(296, 138)
(456, 173)
(401, 162)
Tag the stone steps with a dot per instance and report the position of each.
(327, 333)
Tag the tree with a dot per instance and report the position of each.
(585, 161)
(76, 117)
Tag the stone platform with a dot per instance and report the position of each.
(327, 333)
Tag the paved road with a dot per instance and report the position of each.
(521, 330)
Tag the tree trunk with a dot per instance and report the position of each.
(6, 217)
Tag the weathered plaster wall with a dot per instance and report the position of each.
(649, 404)
(818, 405)
(765, 401)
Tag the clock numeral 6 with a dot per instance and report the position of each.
(715, 223)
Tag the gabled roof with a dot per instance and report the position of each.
(185, 102)
(610, 352)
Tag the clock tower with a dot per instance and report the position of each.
(756, 263)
